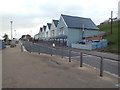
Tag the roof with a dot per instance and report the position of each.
(56, 22)
(41, 29)
(49, 25)
(78, 22)
(44, 28)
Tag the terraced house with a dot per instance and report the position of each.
(53, 28)
(69, 29)
(47, 33)
(74, 29)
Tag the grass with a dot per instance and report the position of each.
(113, 38)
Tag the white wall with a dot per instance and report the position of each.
(61, 24)
(47, 30)
(52, 29)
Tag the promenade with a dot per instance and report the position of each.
(31, 70)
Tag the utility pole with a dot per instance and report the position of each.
(11, 29)
(111, 20)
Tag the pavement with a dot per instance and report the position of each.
(31, 70)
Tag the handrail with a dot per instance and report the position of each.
(81, 52)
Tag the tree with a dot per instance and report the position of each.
(5, 37)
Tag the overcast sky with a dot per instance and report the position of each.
(29, 15)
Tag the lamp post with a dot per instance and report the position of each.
(11, 29)
(83, 31)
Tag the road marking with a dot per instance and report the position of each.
(110, 60)
(75, 57)
(84, 55)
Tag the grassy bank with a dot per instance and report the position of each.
(112, 38)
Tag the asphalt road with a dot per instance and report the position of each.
(108, 65)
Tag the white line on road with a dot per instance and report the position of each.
(85, 55)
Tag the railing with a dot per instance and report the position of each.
(32, 47)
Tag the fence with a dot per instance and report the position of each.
(32, 47)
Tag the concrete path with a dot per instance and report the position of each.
(25, 70)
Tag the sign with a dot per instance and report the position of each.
(53, 45)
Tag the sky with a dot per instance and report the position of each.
(29, 15)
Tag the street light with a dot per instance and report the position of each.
(11, 29)
(83, 31)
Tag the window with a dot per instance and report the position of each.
(53, 33)
(47, 34)
(61, 31)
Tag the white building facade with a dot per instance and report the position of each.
(47, 33)
(53, 28)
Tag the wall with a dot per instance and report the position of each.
(74, 35)
(89, 33)
(61, 24)
(47, 36)
(52, 28)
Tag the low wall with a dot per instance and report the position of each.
(91, 46)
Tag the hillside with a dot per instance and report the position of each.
(112, 38)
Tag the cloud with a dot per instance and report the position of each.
(31, 14)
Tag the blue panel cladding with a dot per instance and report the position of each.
(104, 43)
(99, 45)
(61, 24)
(74, 35)
(90, 33)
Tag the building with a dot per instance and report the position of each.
(74, 29)
(68, 30)
(40, 33)
(47, 35)
(36, 37)
(26, 37)
(44, 32)
(53, 28)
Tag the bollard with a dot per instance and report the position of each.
(21, 48)
(81, 60)
(101, 67)
(69, 55)
(30, 49)
(51, 51)
(39, 50)
(62, 52)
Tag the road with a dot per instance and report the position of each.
(108, 65)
